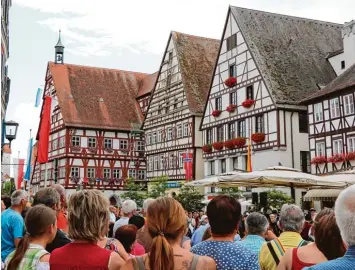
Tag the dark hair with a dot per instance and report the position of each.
(327, 235)
(126, 234)
(206, 234)
(308, 217)
(7, 201)
(47, 196)
(137, 221)
(223, 214)
(37, 221)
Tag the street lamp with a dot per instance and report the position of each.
(11, 130)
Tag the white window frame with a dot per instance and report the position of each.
(161, 162)
(55, 144)
(349, 106)
(338, 146)
(318, 112)
(116, 173)
(334, 108)
(132, 173)
(123, 144)
(90, 172)
(140, 146)
(156, 164)
(179, 131)
(62, 172)
(108, 143)
(92, 142)
(186, 129)
(351, 144)
(107, 173)
(150, 164)
(62, 142)
(181, 159)
(320, 149)
(149, 139)
(170, 133)
(75, 172)
(154, 137)
(75, 141)
(141, 174)
(160, 136)
(171, 162)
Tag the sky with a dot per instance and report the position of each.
(128, 35)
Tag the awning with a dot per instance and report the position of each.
(322, 195)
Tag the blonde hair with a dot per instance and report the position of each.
(165, 220)
(88, 215)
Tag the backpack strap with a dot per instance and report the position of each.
(273, 253)
(194, 262)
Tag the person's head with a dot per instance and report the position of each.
(204, 220)
(49, 197)
(291, 218)
(273, 218)
(308, 217)
(166, 223)
(61, 190)
(127, 235)
(146, 204)
(129, 208)
(223, 214)
(201, 214)
(137, 221)
(88, 215)
(25, 211)
(207, 234)
(256, 224)
(19, 199)
(189, 214)
(345, 214)
(41, 223)
(6, 200)
(327, 235)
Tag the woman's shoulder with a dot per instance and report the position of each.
(205, 262)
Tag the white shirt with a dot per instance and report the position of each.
(112, 217)
(122, 221)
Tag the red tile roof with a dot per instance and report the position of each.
(99, 98)
(147, 84)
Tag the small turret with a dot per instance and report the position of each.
(59, 51)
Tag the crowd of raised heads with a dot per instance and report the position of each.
(86, 231)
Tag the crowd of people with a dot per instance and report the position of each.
(87, 232)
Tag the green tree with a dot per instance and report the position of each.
(159, 187)
(190, 199)
(276, 198)
(135, 192)
(231, 191)
(8, 187)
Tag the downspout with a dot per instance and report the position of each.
(293, 195)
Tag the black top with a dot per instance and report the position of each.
(59, 240)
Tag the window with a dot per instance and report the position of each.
(132, 173)
(220, 134)
(303, 122)
(176, 101)
(334, 108)
(160, 136)
(233, 98)
(75, 141)
(232, 71)
(150, 164)
(170, 133)
(140, 146)
(171, 161)
(223, 166)
(123, 144)
(61, 142)
(107, 173)
(349, 104)
(55, 144)
(159, 109)
(259, 123)
(108, 143)
(342, 64)
(116, 173)
(231, 42)
(318, 112)
(186, 129)
(149, 139)
(179, 131)
(320, 149)
(209, 136)
(161, 164)
(141, 174)
(235, 163)
(90, 172)
(351, 144)
(170, 57)
(154, 137)
(338, 146)
(231, 131)
(156, 163)
(49, 174)
(62, 172)
(218, 103)
(42, 175)
(242, 132)
(74, 172)
(305, 161)
(212, 168)
(213, 189)
(250, 92)
(167, 107)
(92, 142)
(181, 159)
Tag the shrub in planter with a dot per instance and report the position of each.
(230, 82)
(319, 160)
(218, 146)
(336, 158)
(231, 108)
(207, 148)
(229, 144)
(239, 142)
(248, 103)
(258, 137)
(216, 113)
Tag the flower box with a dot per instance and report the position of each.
(239, 142)
(218, 146)
(231, 108)
(336, 158)
(92, 180)
(92, 150)
(230, 82)
(108, 150)
(216, 113)
(75, 179)
(350, 156)
(258, 137)
(248, 103)
(76, 148)
(319, 160)
(229, 144)
(207, 148)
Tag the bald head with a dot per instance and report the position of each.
(345, 214)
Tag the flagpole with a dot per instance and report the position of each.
(29, 180)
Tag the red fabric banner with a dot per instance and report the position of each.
(44, 129)
(188, 165)
(20, 172)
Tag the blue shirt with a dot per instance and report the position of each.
(228, 255)
(346, 262)
(198, 234)
(12, 226)
(253, 243)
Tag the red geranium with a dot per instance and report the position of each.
(319, 160)
(218, 146)
(230, 82)
(229, 144)
(216, 113)
(350, 156)
(248, 103)
(207, 148)
(336, 158)
(231, 108)
(258, 137)
(239, 142)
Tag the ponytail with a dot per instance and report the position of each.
(161, 254)
(19, 253)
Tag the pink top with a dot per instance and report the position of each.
(138, 250)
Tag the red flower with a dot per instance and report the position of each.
(248, 103)
(239, 142)
(231, 108)
(216, 113)
(319, 160)
(336, 158)
(230, 82)
(229, 144)
(207, 148)
(258, 137)
(218, 146)
(349, 156)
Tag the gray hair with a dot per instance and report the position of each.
(60, 189)
(291, 218)
(17, 196)
(345, 214)
(256, 223)
(47, 196)
(147, 202)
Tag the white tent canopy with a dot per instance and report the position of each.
(212, 181)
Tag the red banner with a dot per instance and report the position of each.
(44, 129)
(187, 157)
(20, 172)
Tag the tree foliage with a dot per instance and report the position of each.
(190, 199)
(159, 187)
(8, 187)
(276, 198)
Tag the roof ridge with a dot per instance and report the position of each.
(287, 16)
(194, 36)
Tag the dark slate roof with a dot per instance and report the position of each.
(343, 81)
(197, 57)
(290, 51)
(331, 54)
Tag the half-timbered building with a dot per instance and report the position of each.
(267, 64)
(171, 126)
(95, 137)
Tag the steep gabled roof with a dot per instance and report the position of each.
(147, 84)
(343, 81)
(196, 57)
(100, 98)
(289, 51)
